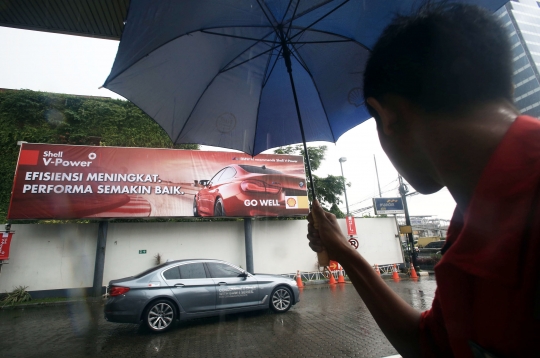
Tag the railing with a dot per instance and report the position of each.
(323, 275)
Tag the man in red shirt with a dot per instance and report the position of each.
(439, 85)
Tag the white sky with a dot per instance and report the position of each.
(79, 65)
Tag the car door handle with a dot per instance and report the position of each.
(222, 283)
(179, 285)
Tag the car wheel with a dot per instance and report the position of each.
(281, 300)
(219, 209)
(195, 210)
(160, 315)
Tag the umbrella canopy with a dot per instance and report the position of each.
(252, 75)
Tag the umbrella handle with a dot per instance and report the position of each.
(322, 256)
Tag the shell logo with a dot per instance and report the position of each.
(291, 202)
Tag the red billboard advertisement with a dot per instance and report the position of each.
(69, 182)
(351, 226)
(5, 242)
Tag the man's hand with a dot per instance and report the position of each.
(324, 232)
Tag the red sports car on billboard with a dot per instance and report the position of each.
(248, 190)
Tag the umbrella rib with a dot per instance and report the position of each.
(225, 69)
(316, 88)
(319, 19)
(210, 83)
(195, 106)
(288, 7)
(240, 37)
(292, 18)
(107, 81)
(345, 38)
(259, 103)
(307, 11)
(272, 69)
(267, 16)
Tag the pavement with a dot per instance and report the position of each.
(330, 321)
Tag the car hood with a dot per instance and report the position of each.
(269, 276)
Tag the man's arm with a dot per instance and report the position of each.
(396, 318)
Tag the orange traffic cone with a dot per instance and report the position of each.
(299, 282)
(395, 274)
(332, 279)
(377, 269)
(413, 272)
(341, 279)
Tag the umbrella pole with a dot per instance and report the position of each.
(287, 58)
(322, 256)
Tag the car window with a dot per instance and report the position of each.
(195, 270)
(228, 173)
(259, 170)
(215, 178)
(219, 270)
(172, 274)
(144, 273)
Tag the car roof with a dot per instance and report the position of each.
(169, 261)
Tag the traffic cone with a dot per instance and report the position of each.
(299, 282)
(341, 279)
(377, 269)
(395, 274)
(332, 279)
(413, 272)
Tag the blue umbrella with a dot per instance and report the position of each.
(252, 74)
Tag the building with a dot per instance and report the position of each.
(522, 19)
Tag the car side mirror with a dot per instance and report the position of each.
(243, 274)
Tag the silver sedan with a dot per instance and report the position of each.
(184, 289)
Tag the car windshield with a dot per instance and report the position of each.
(150, 270)
(259, 170)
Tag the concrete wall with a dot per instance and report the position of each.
(48, 257)
(45, 257)
(175, 241)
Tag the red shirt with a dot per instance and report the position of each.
(488, 280)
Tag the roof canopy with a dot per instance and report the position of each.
(93, 18)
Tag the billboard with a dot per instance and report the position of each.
(69, 182)
(388, 206)
(351, 226)
(5, 242)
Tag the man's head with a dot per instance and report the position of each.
(442, 61)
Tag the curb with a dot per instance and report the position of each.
(59, 303)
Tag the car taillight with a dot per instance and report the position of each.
(253, 186)
(272, 189)
(257, 186)
(117, 291)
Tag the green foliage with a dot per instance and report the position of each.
(18, 295)
(328, 189)
(40, 117)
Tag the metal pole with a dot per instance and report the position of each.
(403, 191)
(100, 258)
(377, 173)
(249, 244)
(344, 186)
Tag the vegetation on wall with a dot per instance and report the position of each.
(40, 117)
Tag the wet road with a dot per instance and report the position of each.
(329, 321)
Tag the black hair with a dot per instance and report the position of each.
(443, 58)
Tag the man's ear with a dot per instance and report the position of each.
(387, 117)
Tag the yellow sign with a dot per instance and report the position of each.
(405, 229)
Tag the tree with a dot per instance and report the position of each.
(329, 189)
